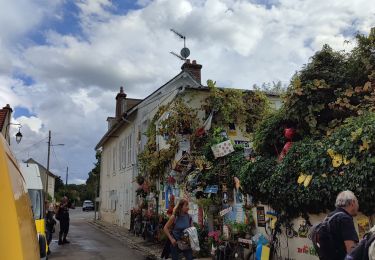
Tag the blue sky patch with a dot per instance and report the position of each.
(26, 79)
(22, 111)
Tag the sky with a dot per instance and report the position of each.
(62, 62)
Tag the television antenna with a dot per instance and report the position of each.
(185, 52)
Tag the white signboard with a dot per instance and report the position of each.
(225, 211)
(222, 149)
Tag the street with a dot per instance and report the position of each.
(87, 242)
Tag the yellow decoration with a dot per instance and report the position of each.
(307, 180)
(337, 160)
(331, 153)
(301, 178)
(365, 145)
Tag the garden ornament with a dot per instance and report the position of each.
(288, 134)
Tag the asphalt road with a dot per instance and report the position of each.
(89, 243)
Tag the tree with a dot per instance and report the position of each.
(59, 184)
(93, 179)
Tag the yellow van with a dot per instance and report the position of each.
(18, 237)
(31, 175)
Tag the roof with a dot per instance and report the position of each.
(3, 115)
(121, 122)
(31, 160)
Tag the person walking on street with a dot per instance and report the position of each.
(63, 217)
(341, 226)
(177, 223)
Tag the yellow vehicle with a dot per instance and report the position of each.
(31, 174)
(18, 237)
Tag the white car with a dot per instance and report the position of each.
(88, 205)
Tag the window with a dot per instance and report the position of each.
(123, 154)
(129, 150)
(113, 199)
(119, 155)
(108, 161)
(114, 160)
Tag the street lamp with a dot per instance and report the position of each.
(18, 135)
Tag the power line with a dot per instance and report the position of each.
(34, 144)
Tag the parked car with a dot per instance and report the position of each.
(88, 205)
(34, 186)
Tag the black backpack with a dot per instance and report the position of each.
(360, 252)
(323, 240)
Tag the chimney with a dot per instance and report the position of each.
(193, 69)
(121, 105)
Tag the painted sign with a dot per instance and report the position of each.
(309, 250)
(261, 217)
(222, 149)
(245, 241)
(225, 211)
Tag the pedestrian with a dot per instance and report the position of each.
(63, 217)
(371, 250)
(342, 233)
(174, 229)
(50, 224)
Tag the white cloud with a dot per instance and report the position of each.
(239, 43)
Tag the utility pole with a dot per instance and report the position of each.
(66, 177)
(49, 151)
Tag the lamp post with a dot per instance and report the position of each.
(18, 135)
(48, 157)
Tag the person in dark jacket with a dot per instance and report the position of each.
(63, 217)
(342, 227)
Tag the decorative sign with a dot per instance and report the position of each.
(225, 232)
(225, 211)
(245, 241)
(261, 217)
(222, 149)
(211, 189)
(309, 250)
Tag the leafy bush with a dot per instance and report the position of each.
(345, 160)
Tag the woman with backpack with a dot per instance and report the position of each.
(174, 229)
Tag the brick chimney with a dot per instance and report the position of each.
(121, 105)
(193, 69)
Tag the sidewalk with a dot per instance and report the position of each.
(149, 249)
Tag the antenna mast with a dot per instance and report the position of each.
(185, 52)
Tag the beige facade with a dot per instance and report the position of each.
(121, 145)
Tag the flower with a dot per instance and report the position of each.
(301, 178)
(337, 160)
(331, 153)
(324, 175)
(365, 145)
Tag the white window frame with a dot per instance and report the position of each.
(123, 154)
(114, 160)
(129, 150)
